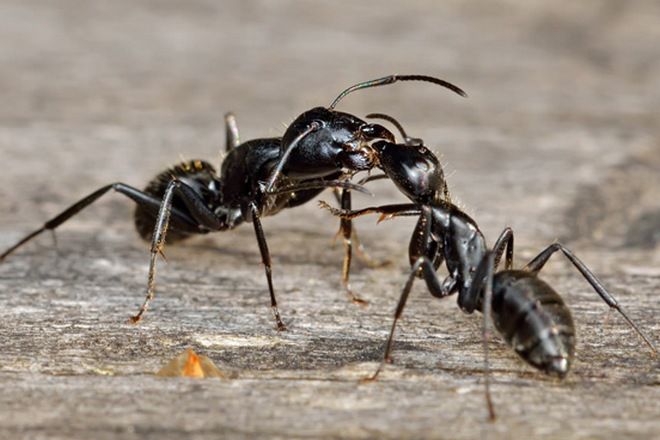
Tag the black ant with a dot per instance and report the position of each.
(192, 198)
(528, 312)
(318, 142)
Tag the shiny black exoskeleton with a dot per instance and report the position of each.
(323, 141)
(529, 313)
(257, 178)
(192, 198)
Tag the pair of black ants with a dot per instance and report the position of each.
(324, 148)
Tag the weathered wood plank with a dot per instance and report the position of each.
(559, 138)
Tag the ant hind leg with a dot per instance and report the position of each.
(539, 261)
(137, 196)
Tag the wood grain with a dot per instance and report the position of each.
(558, 139)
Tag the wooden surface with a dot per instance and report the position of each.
(559, 139)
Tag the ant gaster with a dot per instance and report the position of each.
(528, 312)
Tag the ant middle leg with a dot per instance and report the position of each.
(347, 232)
(313, 184)
(504, 242)
(425, 264)
(483, 282)
(539, 261)
(385, 211)
(145, 200)
(265, 258)
(436, 288)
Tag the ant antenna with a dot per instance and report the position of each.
(409, 140)
(394, 78)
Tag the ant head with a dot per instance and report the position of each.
(414, 169)
(327, 141)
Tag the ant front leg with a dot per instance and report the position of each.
(504, 242)
(539, 261)
(436, 288)
(385, 211)
(470, 300)
(359, 248)
(421, 243)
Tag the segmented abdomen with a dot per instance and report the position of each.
(145, 217)
(533, 319)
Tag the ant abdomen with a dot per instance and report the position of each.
(196, 173)
(534, 320)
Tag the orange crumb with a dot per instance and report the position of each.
(190, 364)
(192, 368)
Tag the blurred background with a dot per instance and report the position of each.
(560, 98)
(559, 139)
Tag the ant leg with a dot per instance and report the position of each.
(204, 219)
(360, 251)
(231, 132)
(471, 300)
(437, 289)
(137, 196)
(505, 241)
(422, 243)
(385, 211)
(539, 261)
(363, 255)
(372, 177)
(483, 282)
(346, 231)
(265, 259)
(157, 241)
